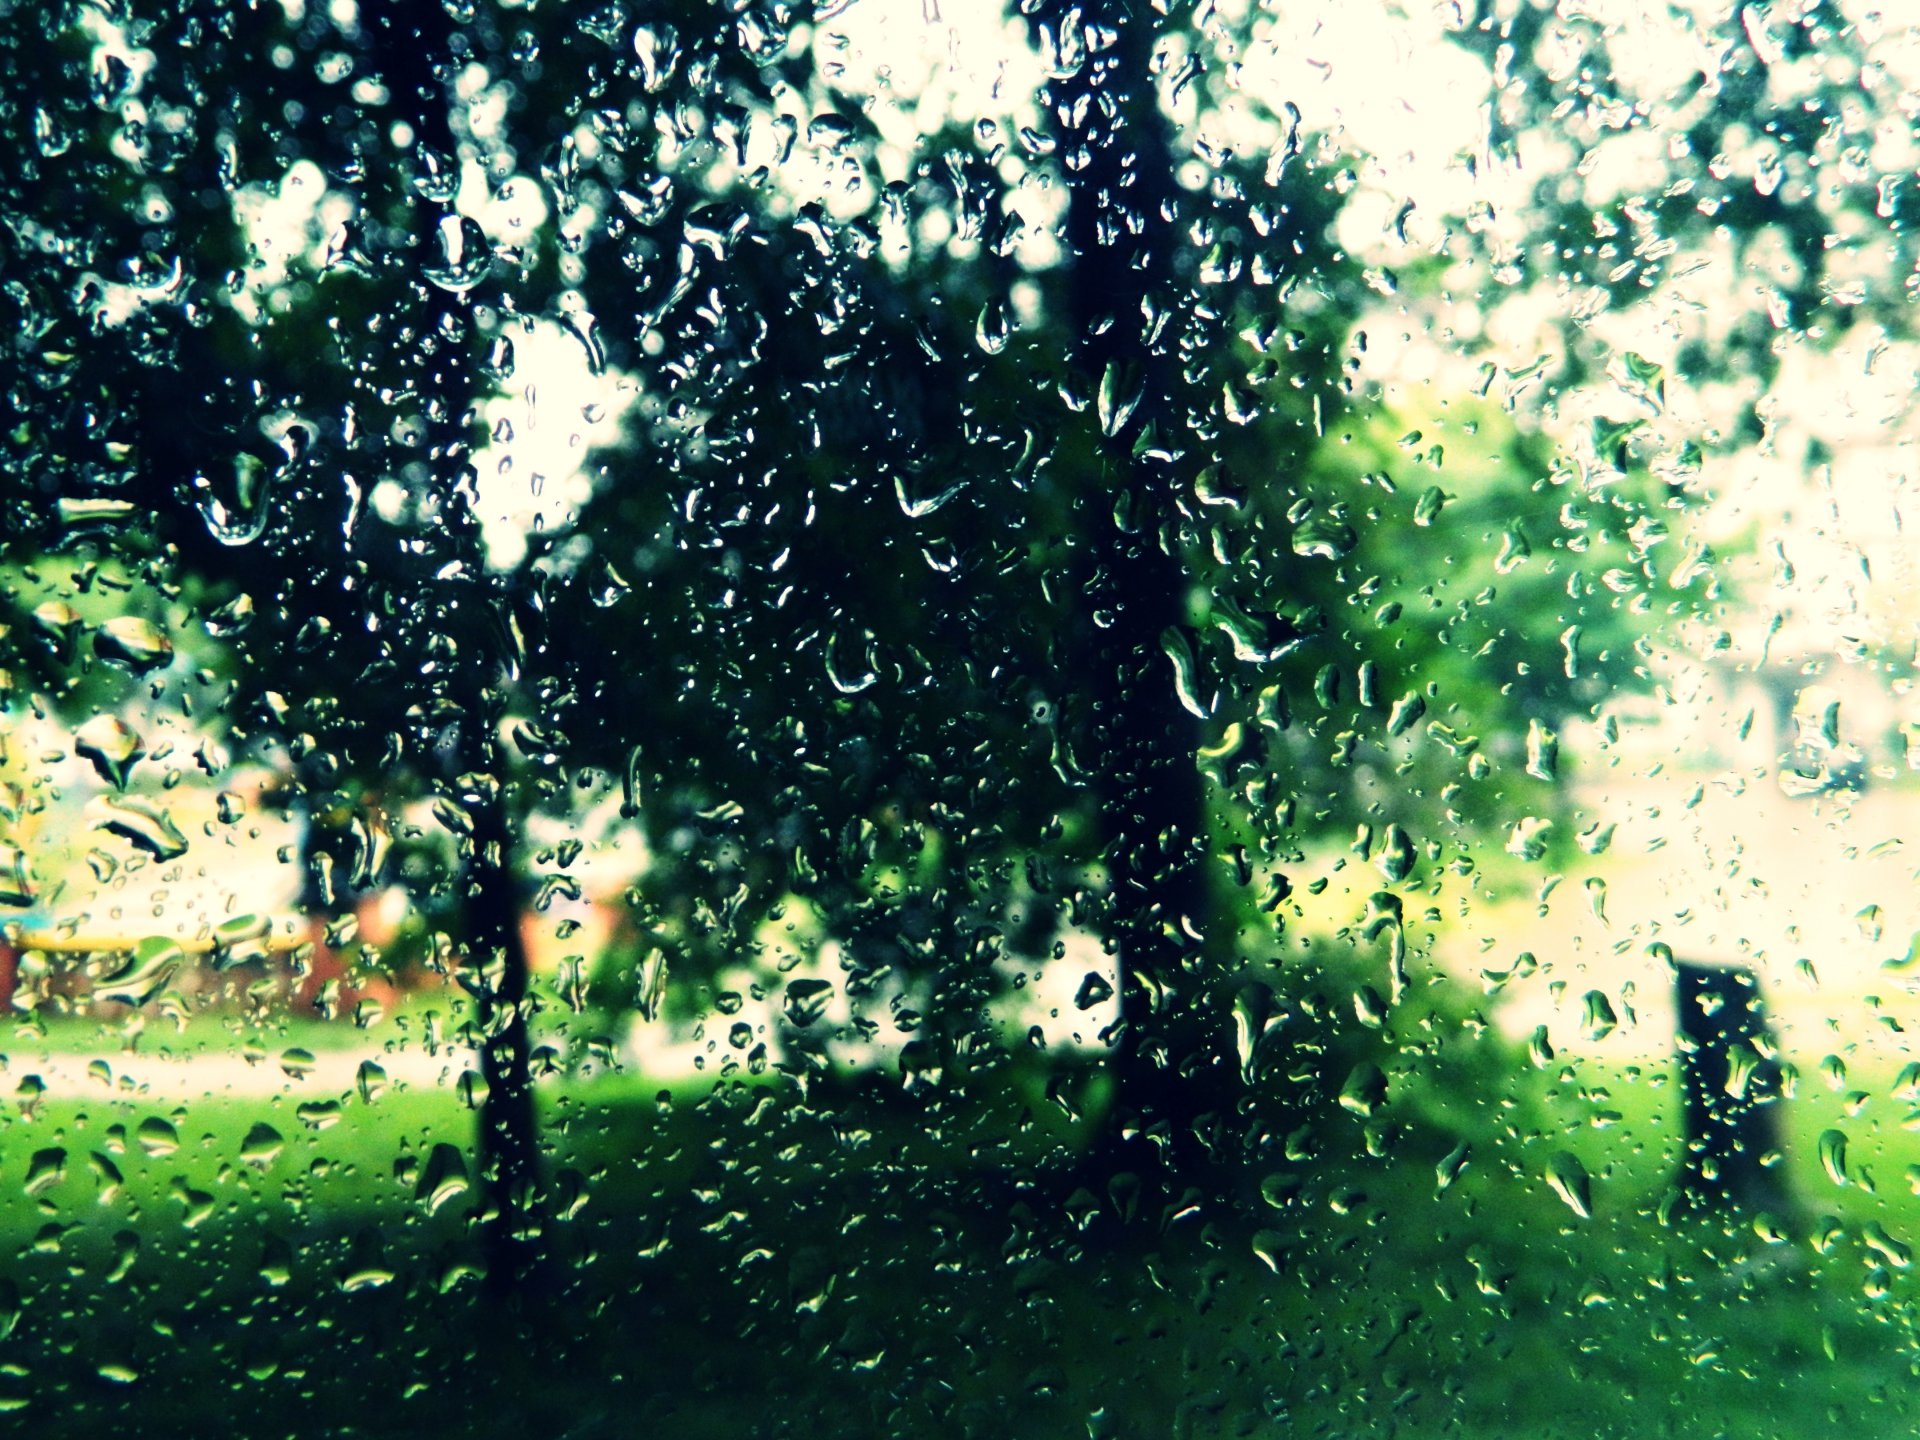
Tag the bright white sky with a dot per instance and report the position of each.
(1381, 83)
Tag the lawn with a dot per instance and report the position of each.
(737, 1259)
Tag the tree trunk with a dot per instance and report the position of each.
(497, 974)
(416, 54)
(1171, 1055)
(1732, 1086)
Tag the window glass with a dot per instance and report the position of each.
(879, 717)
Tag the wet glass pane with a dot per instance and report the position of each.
(876, 717)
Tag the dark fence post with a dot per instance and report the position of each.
(1731, 1077)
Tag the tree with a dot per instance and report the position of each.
(240, 432)
(967, 599)
(988, 565)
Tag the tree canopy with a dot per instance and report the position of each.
(1005, 559)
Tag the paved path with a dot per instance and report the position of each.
(213, 1074)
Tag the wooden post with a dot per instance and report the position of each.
(1732, 1083)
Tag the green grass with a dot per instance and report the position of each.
(746, 1262)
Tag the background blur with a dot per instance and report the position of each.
(889, 718)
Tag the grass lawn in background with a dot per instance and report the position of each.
(737, 1262)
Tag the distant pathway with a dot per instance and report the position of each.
(213, 1074)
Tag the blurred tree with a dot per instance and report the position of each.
(1004, 552)
(965, 594)
(292, 446)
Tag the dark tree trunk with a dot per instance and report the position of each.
(1732, 1084)
(496, 972)
(1171, 1055)
(417, 56)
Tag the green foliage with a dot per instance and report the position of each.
(961, 594)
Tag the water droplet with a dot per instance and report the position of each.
(442, 1179)
(276, 1261)
(1539, 1047)
(1570, 1182)
(232, 618)
(1253, 1016)
(438, 176)
(1871, 921)
(1833, 1155)
(235, 510)
(659, 51)
(45, 1169)
(1405, 714)
(1514, 551)
(239, 940)
(1280, 1188)
(59, 624)
(1612, 437)
(112, 746)
(1597, 1019)
(1896, 1254)
(1528, 838)
(1365, 1090)
(1324, 537)
(1269, 1248)
(465, 255)
(828, 131)
(262, 1146)
(1543, 752)
(367, 1272)
(1396, 857)
(716, 228)
(570, 1193)
(157, 1137)
(150, 828)
(126, 1250)
(651, 987)
(929, 503)
(107, 1177)
(850, 666)
(1644, 379)
(133, 641)
(1570, 652)
(318, 1114)
(1258, 639)
(1596, 889)
(16, 879)
(633, 782)
(82, 513)
(1120, 395)
(1186, 672)
(994, 327)
(1449, 1168)
(143, 973)
(806, 1001)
